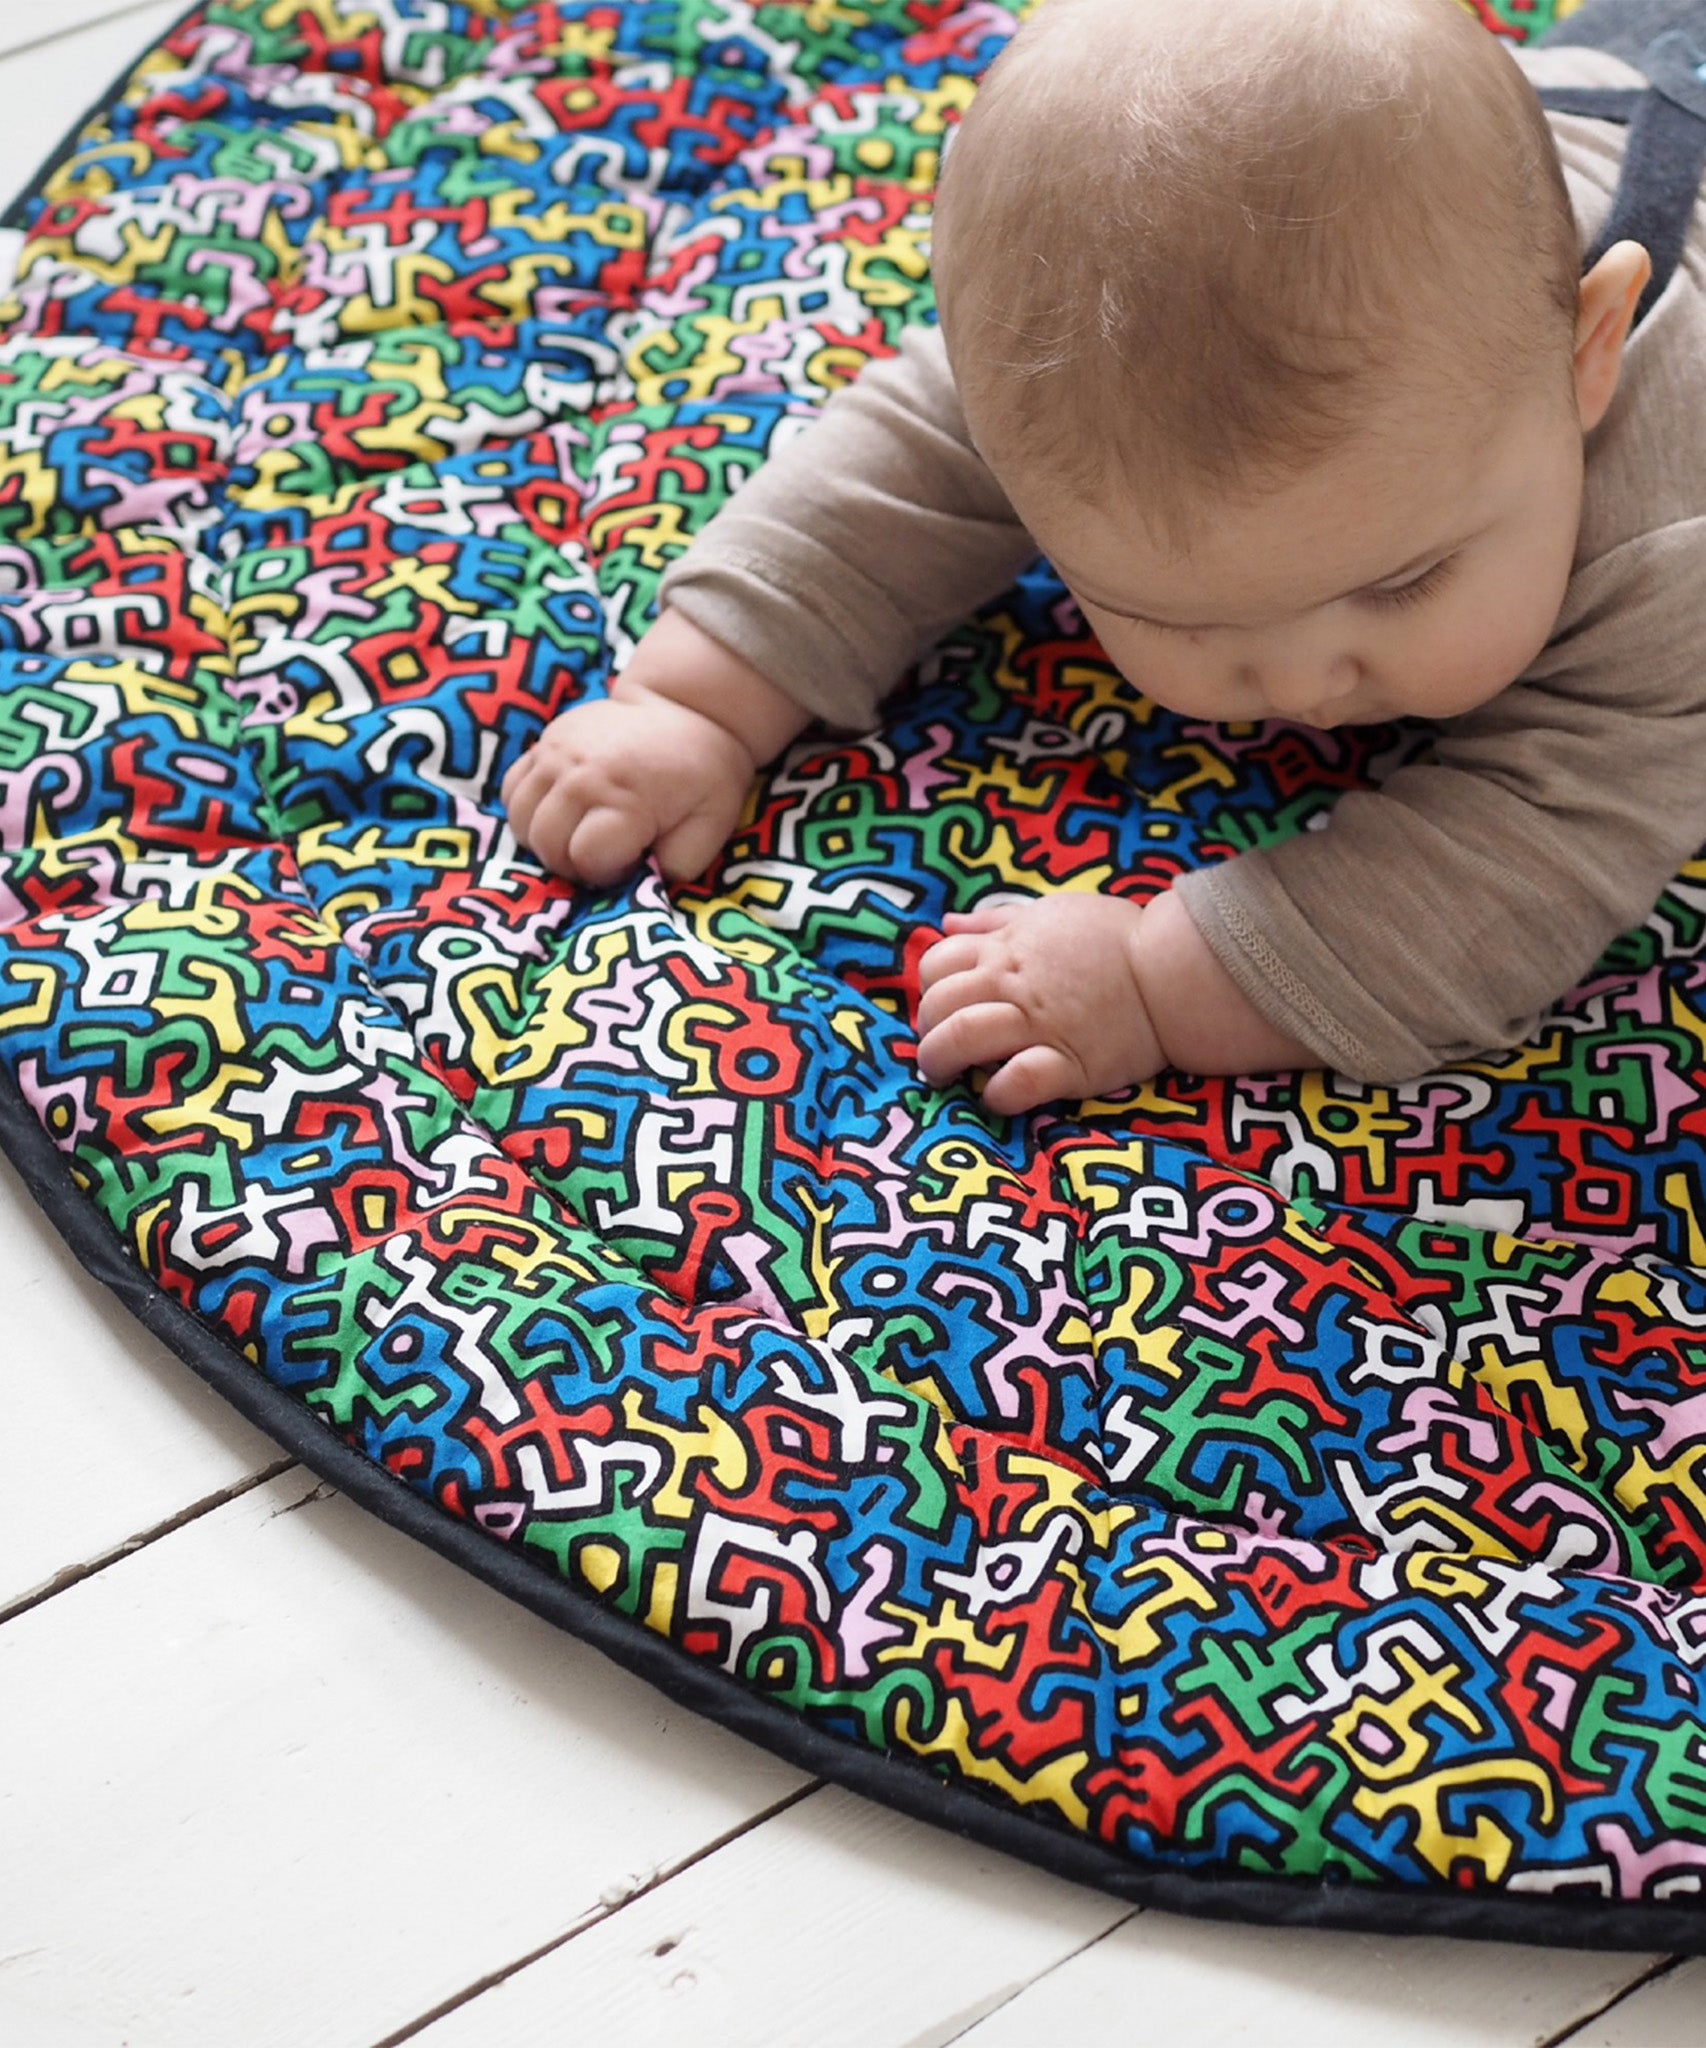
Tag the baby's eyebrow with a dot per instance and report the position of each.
(1428, 556)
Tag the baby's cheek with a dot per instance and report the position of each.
(1459, 678)
(1199, 686)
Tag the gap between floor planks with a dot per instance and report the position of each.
(48, 81)
(25, 28)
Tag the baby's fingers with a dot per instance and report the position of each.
(948, 956)
(607, 844)
(524, 787)
(987, 917)
(1039, 1074)
(596, 843)
(688, 848)
(977, 1035)
(516, 774)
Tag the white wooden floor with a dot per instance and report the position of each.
(271, 1773)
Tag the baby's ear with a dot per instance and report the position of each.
(1610, 297)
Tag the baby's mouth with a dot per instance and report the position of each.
(1349, 709)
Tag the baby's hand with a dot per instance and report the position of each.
(664, 761)
(1050, 990)
(614, 776)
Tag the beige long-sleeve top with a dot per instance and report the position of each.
(1436, 916)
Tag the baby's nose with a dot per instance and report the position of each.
(1303, 689)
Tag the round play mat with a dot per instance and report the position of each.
(1276, 1498)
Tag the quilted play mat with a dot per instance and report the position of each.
(1283, 1498)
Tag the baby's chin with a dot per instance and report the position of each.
(1366, 708)
(1356, 707)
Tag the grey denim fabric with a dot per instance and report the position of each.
(1627, 28)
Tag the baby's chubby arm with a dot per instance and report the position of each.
(1079, 995)
(870, 529)
(664, 761)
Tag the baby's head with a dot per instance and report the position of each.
(1256, 305)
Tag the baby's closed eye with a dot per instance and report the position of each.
(1417, 591)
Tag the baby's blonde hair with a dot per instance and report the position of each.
(1186, 250)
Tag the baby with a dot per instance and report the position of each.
(1264, 320)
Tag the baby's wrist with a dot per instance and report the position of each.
(626, 689)
(749, 707)
(1203, 1020)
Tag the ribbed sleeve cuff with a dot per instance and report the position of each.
(800, 636)
(1293, 978)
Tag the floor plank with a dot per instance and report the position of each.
(841, 1925)
(45, 88)
(288, 1777)
(836, 1924)
(1255, 1987)
(1668, 2013)
(121, 1435)
(31, 24)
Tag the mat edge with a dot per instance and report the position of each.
(13, 217)
(905, 1784)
